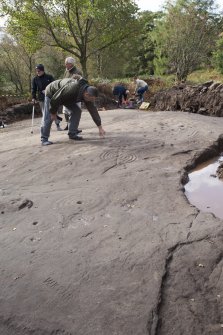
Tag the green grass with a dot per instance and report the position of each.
(164, 82)
(203, 75)
(195, 78)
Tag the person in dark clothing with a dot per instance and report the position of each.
(121, 93)
(39, 83)
(68, 92)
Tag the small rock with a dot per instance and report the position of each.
(201, 265)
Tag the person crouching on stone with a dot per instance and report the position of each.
(121, 93)
(140, 88)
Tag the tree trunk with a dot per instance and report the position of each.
(83, 61)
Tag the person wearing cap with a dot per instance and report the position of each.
(68, 92)
(71, 72)
(39, 83)
(121, 93)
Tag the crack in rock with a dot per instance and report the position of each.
(192, 294)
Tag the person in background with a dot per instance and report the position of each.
(70, 72)
(39, 83)
(121, 93)
(71, 69)
(140, 88)
(68, 92)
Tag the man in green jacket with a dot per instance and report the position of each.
(67, 92)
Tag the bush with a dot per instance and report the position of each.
(218, 55)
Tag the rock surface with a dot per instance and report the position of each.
(97, 237)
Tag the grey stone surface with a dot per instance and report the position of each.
(98, 238)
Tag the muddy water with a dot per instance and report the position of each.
(204, 189)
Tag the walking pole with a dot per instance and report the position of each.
(33, 112)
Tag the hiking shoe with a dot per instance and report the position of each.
(75, 138)
(47, 142)
(78, 131)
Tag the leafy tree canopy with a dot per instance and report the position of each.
(186, 35)
(79, 27)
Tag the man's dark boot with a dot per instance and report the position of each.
(78, 131)
(75, 137)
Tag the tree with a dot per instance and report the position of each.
(80, 27)
(146, 50)
(186, 35)
(218, 54)
(16, 65)
(134, 55)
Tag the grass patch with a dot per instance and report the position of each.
(201, 76)
(157, 83)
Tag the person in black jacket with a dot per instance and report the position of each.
(39, 83)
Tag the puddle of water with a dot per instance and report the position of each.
(204, 190)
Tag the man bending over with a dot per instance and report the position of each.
(67, 92)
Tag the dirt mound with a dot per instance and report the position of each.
(206, 99)
(18, 112)
(14, 108)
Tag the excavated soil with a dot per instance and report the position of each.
(206, 99)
